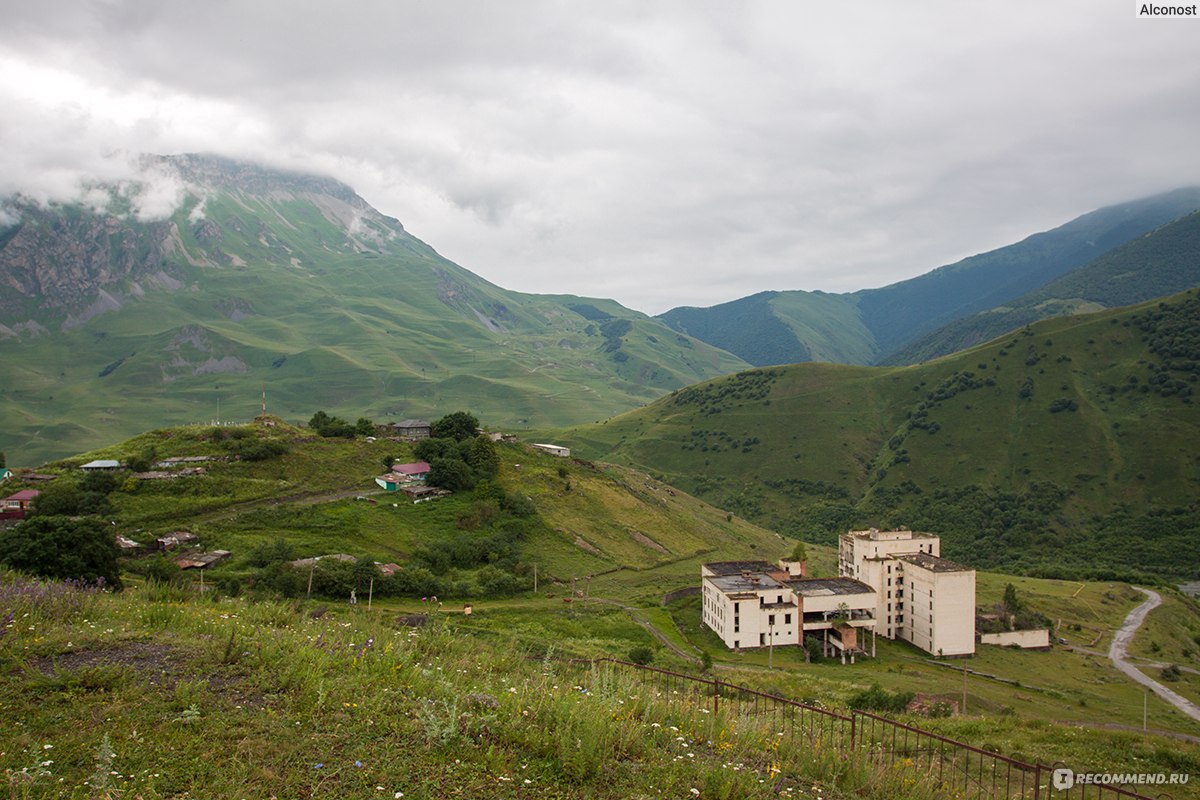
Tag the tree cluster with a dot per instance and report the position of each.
(459, 457)
(332, 427)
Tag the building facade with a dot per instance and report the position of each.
(921, 598)
(751, 604)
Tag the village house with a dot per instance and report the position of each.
(101, 464)
(922, 598)
(416, 471)
(18, 505)
(412, 429)
(752, 604)
(176, 539)
(554, 449)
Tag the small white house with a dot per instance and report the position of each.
(101, 463)
(554, 450)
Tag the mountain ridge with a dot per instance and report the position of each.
(871, 325)
(111, 323)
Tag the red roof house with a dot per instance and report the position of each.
(417, 471)
(16, 506)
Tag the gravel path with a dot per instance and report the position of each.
(1120, 645)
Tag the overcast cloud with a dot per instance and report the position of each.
(662, 153)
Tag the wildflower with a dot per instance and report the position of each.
(358, 764)
(318, 766)
(695, 791)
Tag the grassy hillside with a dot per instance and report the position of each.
(582, 519)
(109, 326)
(164, 690)
(1069, 446)
(1156, 264)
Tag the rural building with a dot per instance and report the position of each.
(5, 473)
(412, 429)
(758, 604)
(176, 539)
(202, 560)
(416, 471)
(390, 482)
(18, 506)
(922, 598)
(554, 449)
(101, 464)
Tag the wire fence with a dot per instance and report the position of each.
(950, 767)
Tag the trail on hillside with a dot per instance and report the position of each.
(1118, 652)
(295, 499)
(653, 631)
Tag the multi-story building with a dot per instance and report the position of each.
(920, 597)
(758, 604)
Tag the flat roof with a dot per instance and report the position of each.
(102, 463)
(738, 567)
(874, 534)
(824, 587)
(732, 584)
(933, 563)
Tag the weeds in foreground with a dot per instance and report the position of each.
(347, 705)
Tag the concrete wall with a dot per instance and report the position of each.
(1037, 638)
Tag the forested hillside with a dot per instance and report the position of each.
(1070, 447)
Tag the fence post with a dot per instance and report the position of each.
(716, 697)
(853, 730)
(1037, 780)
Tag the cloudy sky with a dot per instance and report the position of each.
(660, 153)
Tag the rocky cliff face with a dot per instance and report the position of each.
(58, 260)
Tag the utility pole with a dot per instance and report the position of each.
(1145, 703)
(535, 578)
(771, 642)
(964, 703)
(370, 592)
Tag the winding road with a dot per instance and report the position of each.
(1118, 651)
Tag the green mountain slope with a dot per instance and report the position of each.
(261, 279)
(865, 327)
(1162, 262)
(781, 328)
(1069, 447)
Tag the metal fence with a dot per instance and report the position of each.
(956, 768)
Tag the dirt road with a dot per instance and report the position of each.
(1118, 650)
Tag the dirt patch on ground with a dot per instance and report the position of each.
(584, 544)
(159, 665)
(646, 541)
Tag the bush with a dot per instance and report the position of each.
(879, 699)
(641, 654)
(60, 547)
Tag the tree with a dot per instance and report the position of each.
(449, 473)
(459, 426)
(483, 457)
(364, 427)
(1012, 600)
(66, 500)
(3, 462)
(59, 547)
(800, 552)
